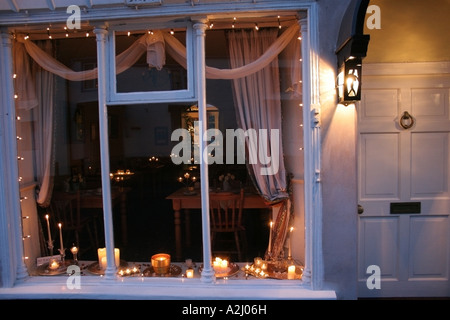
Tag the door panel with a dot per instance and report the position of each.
(429, 164)
(384, 252)
(405, 167)
(429, 232)
(380, 165)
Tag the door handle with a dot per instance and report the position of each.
(360, 209)
(406, 120)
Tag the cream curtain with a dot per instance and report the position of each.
(258, 106)
(155, 46)
(251, 81)
(35, 88)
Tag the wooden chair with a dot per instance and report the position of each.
(66, 209)
(226, 217)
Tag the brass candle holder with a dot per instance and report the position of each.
(161, 263)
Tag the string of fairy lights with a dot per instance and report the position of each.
(20, 158)
(63, 32)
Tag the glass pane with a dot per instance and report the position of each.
(266, 100)
(58, 145)
(145, 64)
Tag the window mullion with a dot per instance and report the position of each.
(200, 27)
(102, 62)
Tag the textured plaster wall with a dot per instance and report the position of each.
(411, 31)
(339, 184)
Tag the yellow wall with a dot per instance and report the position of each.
(411, 31)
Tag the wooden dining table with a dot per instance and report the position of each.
(182, 201)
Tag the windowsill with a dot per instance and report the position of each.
(140, 288)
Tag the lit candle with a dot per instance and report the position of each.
(54, 264)
(117, 256)
(189, 273)
(161, 263)
(291, 272)
(270, 237)
(290, 243)
(60, 238)
(74, 250)
(102, 260)
(48, 229)
(103, 263)
(220, 265)
(101, 252)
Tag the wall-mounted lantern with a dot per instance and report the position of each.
(349, 81)
(352, 47)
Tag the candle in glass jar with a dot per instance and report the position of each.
(161, 263)
(291, 272)
(189, 273)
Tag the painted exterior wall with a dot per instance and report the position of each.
(338, 133)
(411, 31)
(338, 176)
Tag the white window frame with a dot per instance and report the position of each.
(17, 284)
(183, 95)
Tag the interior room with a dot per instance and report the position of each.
(143, 173)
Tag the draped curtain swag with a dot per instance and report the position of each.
(250, 55)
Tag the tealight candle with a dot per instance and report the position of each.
(257, 261)
(291, 272)
(54, 264)
(189, 273)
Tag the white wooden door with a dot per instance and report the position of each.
(404, 181)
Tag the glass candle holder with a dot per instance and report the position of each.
(161, 263)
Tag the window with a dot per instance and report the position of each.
(152, 64)
(120, 106)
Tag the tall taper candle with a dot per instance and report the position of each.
(270, 237)
(48, 228)
(61, 238)
(290, 242)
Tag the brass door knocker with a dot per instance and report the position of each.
(406, 120)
